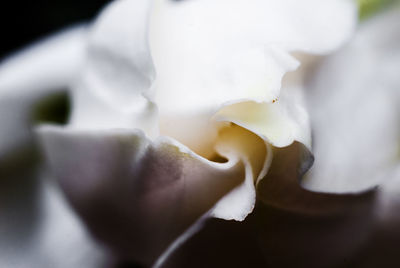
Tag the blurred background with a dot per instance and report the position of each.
(23, 23)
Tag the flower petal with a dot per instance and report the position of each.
(279, 123)
(255, 154)
(114, 89)
(209, 55)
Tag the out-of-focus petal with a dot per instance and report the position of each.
(42, 70)
(136, 195)
(37, 227)
(354, 105)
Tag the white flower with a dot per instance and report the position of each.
(161, 92)
(169, 86)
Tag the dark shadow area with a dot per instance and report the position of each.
(19, 205)
(289, 227)
(24, 22)
(53, 109)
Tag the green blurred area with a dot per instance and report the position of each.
(370, 7)
(52, 109)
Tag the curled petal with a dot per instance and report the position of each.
(256, 156)
(136, 195)
(279, 123)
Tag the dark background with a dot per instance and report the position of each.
(23, 22)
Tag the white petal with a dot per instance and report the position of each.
(41, 70)
(210, 53)
(354, 103)
(114, 89)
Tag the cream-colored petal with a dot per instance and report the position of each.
(235, 141)
(282, 121)
(279, 123)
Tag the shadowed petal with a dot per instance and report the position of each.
(137, 196)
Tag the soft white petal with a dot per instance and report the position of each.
(211, 53)
(354, 103)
